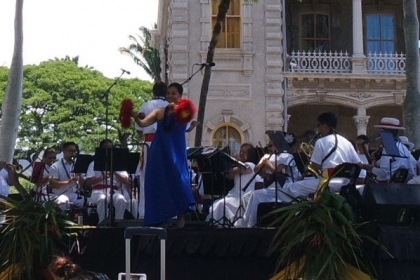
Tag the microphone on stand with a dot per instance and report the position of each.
(125, 71)
(206, 64)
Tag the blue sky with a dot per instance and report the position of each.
(91, 29)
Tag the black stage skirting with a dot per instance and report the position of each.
(217, 253)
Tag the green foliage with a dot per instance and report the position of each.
(31, 235)
(321, 233)
(65, 102)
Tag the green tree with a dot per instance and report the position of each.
(11, 104)
(64, 102)
(411, 106)
(143, 54)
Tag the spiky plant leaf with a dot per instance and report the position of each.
(321, 233)
(31, 234)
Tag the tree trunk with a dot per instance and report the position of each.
(411, 107)
(12, 104)
(221, 16)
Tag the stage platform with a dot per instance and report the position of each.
(202, 252)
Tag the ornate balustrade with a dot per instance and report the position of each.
(386, 63)
(341, 62)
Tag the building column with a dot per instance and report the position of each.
(361, 121)
(358, 58)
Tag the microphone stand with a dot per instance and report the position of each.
(189, 78)
(106, 96)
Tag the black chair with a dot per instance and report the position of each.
(349, 191)
(399, 176)
(347, 170)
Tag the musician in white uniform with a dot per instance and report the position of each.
(330, 151)
(158, 101)
(229, 207)
(63, 181)
(386, 166)
(286, 167)
(101, 188)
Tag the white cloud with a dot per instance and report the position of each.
(91, 29)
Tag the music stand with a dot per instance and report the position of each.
(110, 159)
(388, 140)
(194, 152)
(236, 163)
(133, 161)
(80, 167)
(278, 140)
(214, 180)
(391, 148)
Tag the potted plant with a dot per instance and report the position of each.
(319, 239)
(31, 234)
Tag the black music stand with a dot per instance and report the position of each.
(278, 140)
(194, 152)
(133, 161)
(392, 151)
(110, 159)
(80, 167)
(215, 166)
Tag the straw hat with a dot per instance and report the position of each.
(389, 123)
(405, 141)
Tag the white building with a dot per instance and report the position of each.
(345, 56)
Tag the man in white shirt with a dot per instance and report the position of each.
(63, 181)
(158, 101)
(330, 151)
(387, 165)
(101, 188)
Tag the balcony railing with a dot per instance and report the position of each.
(341, 62)
(386, 63)
(320, 62)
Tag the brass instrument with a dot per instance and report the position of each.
(308, 149)
(13, 168)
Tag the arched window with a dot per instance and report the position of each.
(228, 135)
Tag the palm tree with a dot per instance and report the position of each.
(411, 107)
(12, 104)
(221, 16)
(143, 54)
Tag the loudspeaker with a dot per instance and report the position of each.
(397, 204)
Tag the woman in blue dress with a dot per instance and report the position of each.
(167, 180)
